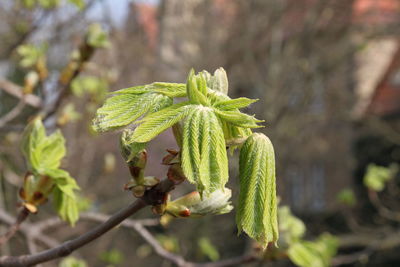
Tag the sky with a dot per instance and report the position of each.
(118, 9)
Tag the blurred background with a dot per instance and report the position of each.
(327, 76)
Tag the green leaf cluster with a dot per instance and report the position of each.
(43, 155)
(316, 253)
(50, 4)
(31, 54)
(257, 210)
(346, 197)
(97, 37)
(205, 124)
(377, 176)
(72, 262)
(94, 86)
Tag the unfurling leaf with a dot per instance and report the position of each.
(233, 104)
(237, 118)
(204, 158)
(257, 208)
(155, 123)
(196, 87)
(217, 82)
(43, 154)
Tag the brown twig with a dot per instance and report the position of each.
(23, 214)
(154, 196)
(69, 246)
(70, 72)
(383, 211)
(180, 261)
(16, 91)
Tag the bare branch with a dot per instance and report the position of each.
(16, 91)
(68, 247)
(14, 227)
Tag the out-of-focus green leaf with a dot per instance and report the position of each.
(314, 254)
(169, 243)
(68, 114)
(377, 176)
(97, 37)
(72, 262)
(114, 256)
(291, 228)
(96, 87)
(347, 197)
(208, 249)
(257, 208)
(78, 3)
(30, 54)
(49, 4)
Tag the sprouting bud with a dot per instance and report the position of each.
(35, 190)
(31, 80)
(191, 205)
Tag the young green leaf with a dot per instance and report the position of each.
(238, 118)
(124, 108)
(196, 87)
(233, 104)
(217, 82)
(204, 158)
(44, 154)
(167, 89)
(257, 209)
(41, 151)
(155, 123)
(66, 206)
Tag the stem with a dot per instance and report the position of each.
(69, 246)
(15, 227)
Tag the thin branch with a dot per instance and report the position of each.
(13, 113)
(383, 211)
(16, 91)
(69, 246)
(14, 227)
(180, 261)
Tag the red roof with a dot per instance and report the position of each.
(386, 98)
(376, 11)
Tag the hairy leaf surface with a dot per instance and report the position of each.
(204, 159)
(257, 209)
(233, 104)
(124, 108)
(155, 123)
(238, 118)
